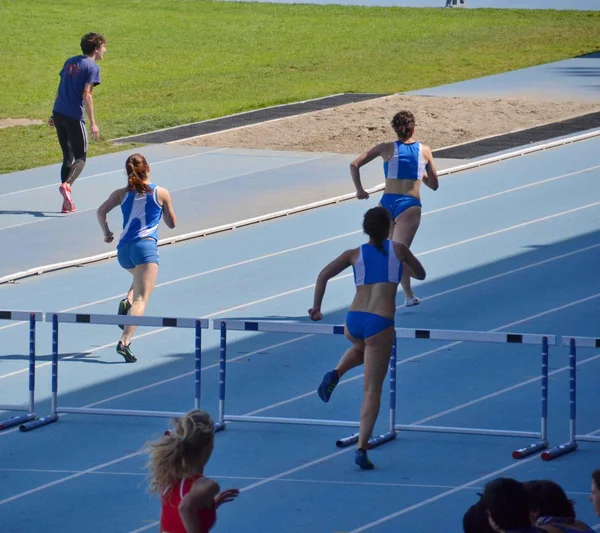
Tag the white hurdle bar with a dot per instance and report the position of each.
(115, 320)
(401, 333)
(573, 343)
(29, 408)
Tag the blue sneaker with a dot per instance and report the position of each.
(362, 460)
(330, 380)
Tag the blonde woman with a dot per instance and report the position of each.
(177, 460)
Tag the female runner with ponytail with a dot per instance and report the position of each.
(142, 204)
(378, 268)
(406, 164)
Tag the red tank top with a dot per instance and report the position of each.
(170, 520)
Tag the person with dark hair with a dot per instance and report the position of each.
(507, 506)
(143, 204)
(476, 520)
(406, 163)
(551, 509)
(78, 77)
(176, 463)
(378, 267)
(595, 493)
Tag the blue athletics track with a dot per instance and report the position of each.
(509, 247)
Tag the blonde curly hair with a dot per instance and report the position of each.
(175, 455)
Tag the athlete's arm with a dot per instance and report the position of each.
(51, 119)
(330, 271)
(431, 178)
(168, 212)
(366, 157)
(200, 496)
(109, 204)
(88, 102)
(415, 268)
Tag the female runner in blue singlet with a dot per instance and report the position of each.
(378, 268)
(406, 163)
(143, 204)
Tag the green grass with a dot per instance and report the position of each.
(178, 61)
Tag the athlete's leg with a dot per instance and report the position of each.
(78, 139)
(353, 357)
(62, 133)
(378, 350)
(144, 279)
(404, 230)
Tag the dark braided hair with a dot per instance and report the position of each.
(376, 225)
(403, 124)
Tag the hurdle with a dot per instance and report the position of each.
(114, 320)
(574, 437)
(32, 318)
(400, 333)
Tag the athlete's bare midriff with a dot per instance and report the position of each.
(378, 298)
(399, 186)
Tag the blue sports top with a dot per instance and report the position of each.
(76, 72)
(407, 163)
(374, 266)
(141, 215)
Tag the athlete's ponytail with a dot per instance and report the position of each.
(175, 455)
(137, 169)
(376, 224)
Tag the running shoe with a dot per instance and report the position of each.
(124, 307)
(410, 302)
(126, 352)
(362, 460)
(68, 205)
(330, 380)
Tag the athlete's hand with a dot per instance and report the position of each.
(95, 132)
(109, 237)
(362, 195)
(226, 496)
(315, 314)
(51, 122)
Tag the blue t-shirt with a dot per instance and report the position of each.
(76, 72)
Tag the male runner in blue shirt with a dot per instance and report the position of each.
(79, 75)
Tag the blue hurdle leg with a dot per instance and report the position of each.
(16, 420)
(38, 422)
(53, 416)
(570, 446)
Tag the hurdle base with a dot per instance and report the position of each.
(220, 426)
(373, 442)
(557, 451)
(16, 420)
(38, 423)
(530, 450)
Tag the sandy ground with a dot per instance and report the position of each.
(353, 128)
(9, 122)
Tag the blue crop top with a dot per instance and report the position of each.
(375, 266)
(407, 162)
